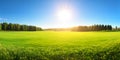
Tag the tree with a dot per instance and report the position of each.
(0, 27)
(17, 27)
(4, 26)
(97, 27)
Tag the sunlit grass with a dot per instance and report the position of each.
(51, 45)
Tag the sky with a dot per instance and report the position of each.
(42, 13)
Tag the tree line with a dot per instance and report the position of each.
(116, 29)
(93, 28)
(17, 27)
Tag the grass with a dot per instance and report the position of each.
(49, 45)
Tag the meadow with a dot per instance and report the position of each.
(54, 45)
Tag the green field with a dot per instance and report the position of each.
(49, 45)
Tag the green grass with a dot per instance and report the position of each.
(49, 45)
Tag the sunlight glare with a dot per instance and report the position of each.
(64, 14)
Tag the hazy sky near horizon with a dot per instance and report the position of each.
(43, 12)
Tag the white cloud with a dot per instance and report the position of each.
(0, 18)
(3, 18)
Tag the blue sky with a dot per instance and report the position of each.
(42, 12)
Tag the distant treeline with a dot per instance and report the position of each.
(96, 27)
(17, 27)
(93, 28)
(116, 29)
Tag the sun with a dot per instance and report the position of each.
(64, 14)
